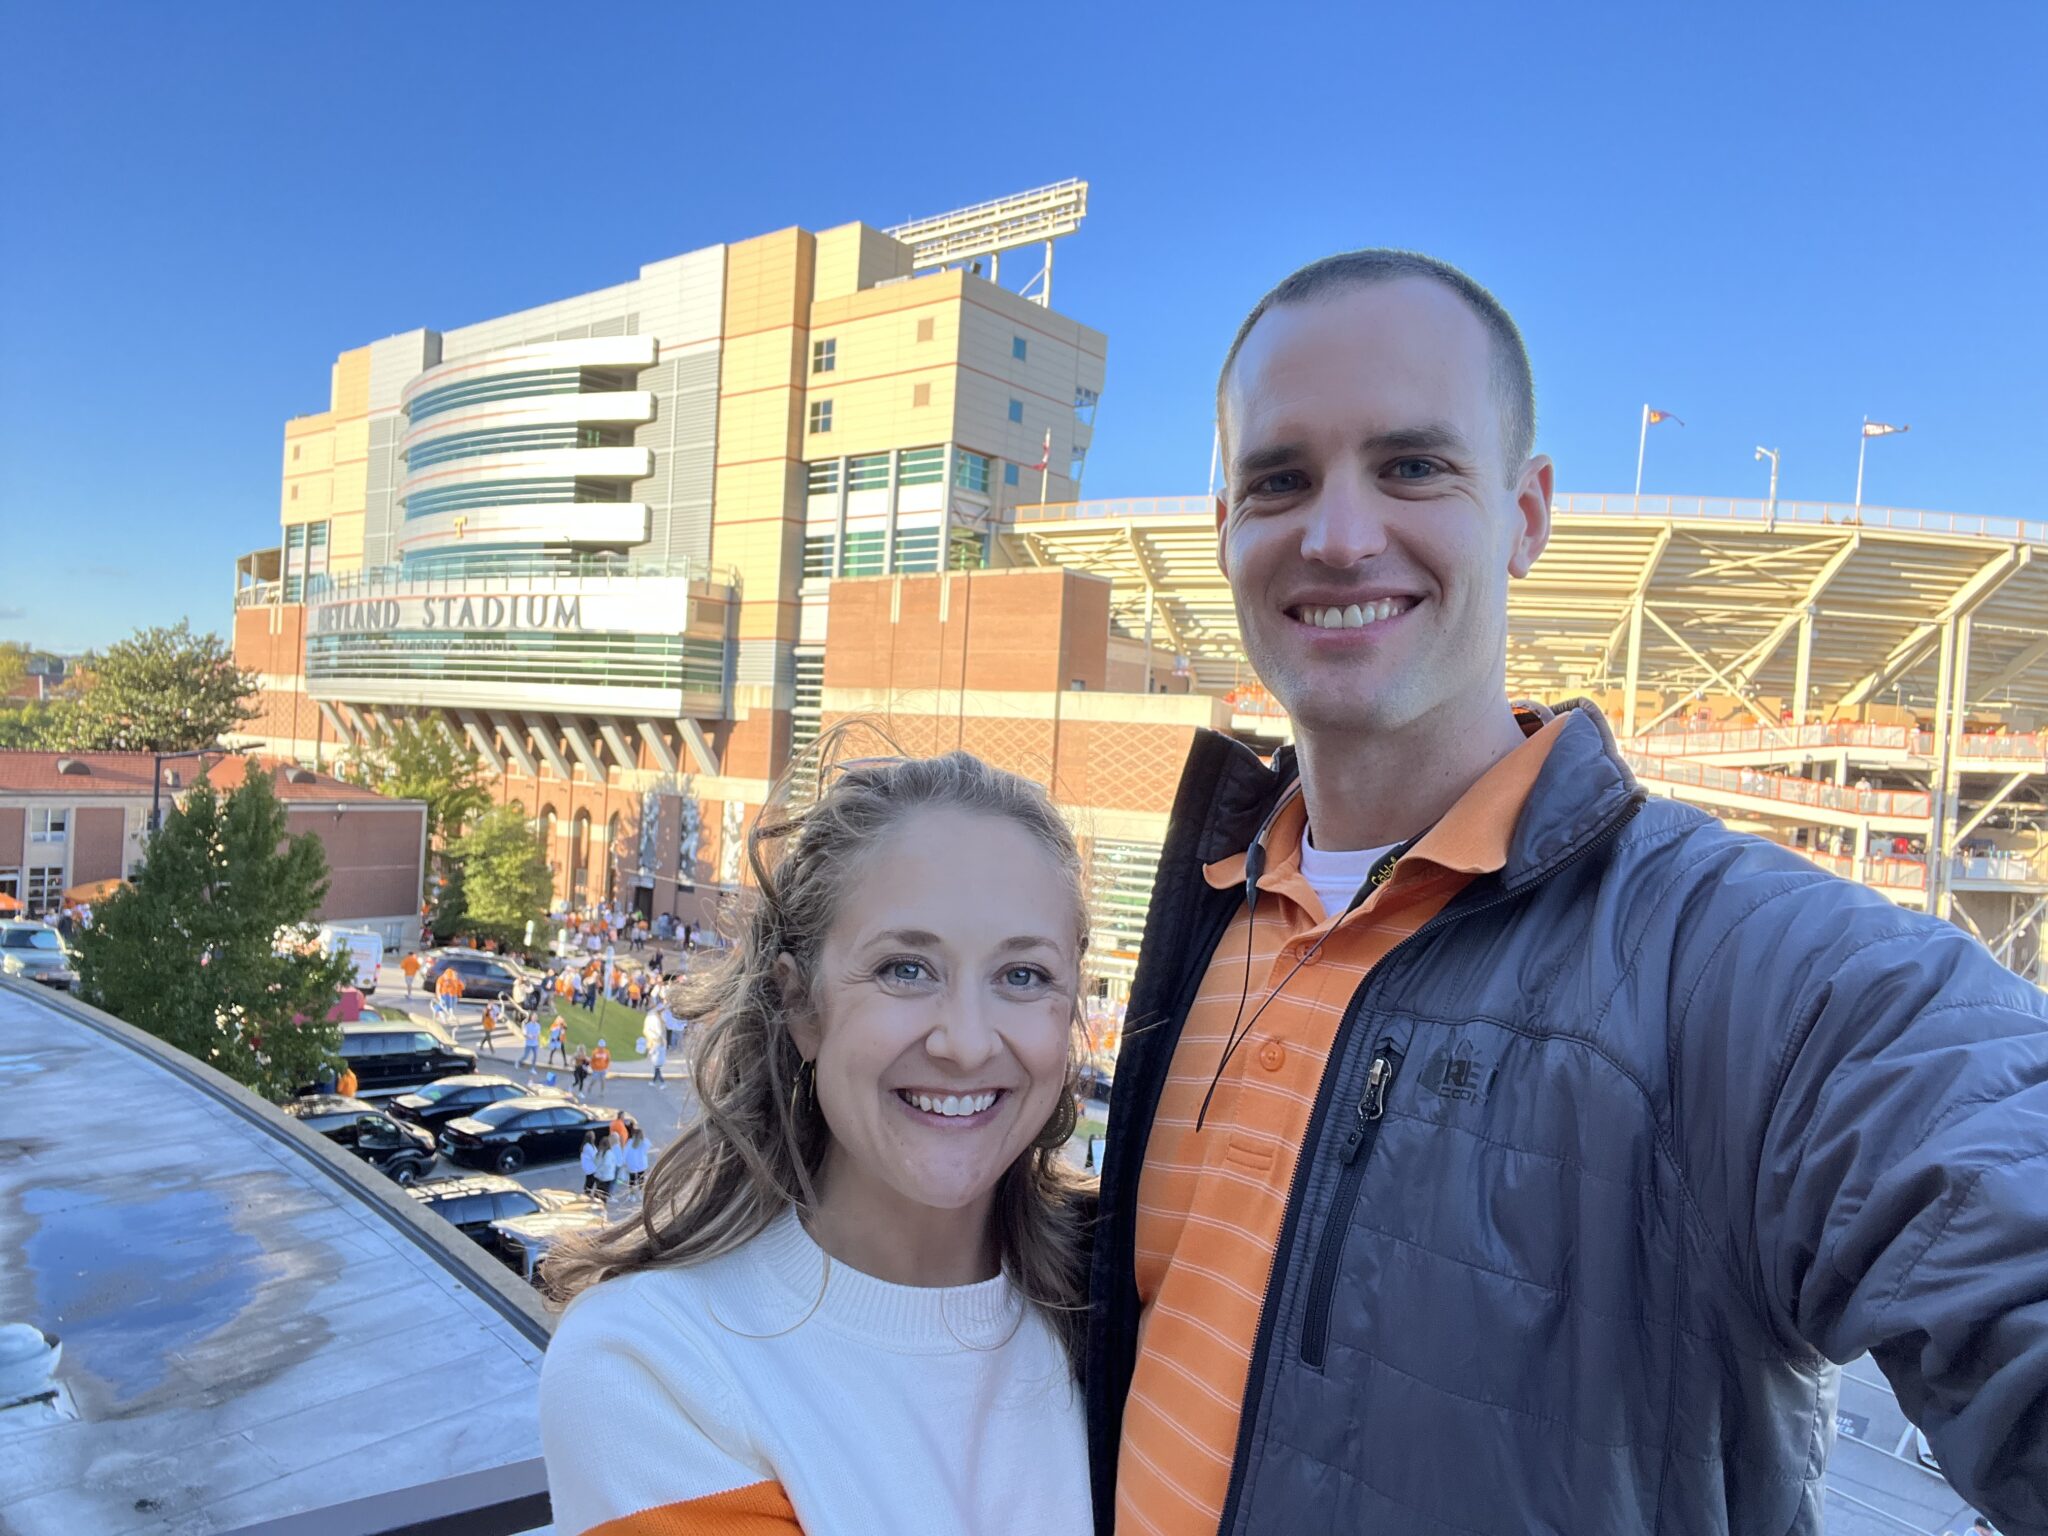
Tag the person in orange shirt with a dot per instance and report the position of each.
(345, 1085)
(600, 1064)
(447, 992)
(619, 1130)
(411, 966)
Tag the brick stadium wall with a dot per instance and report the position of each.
(373, 858)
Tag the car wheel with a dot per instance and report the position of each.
(405, 1173)
(511, 1160)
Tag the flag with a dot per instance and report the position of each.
(1879, 429)
(1045, 453)
(1657, 416)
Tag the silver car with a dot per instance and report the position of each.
(35, 953)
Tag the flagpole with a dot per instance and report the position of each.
(1862, 447)
(1642, 442)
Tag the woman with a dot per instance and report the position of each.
(588, 1157)
(851, 1296)
(636, 1158)
(609, 1167)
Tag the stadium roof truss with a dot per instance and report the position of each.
(1814, 616)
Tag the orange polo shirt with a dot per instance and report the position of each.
(1211, 1203)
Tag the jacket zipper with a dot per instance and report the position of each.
(1358, 1145)
(1262, 1341)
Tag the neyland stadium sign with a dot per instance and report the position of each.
(550, 611)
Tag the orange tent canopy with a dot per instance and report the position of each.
(8, 903)
(94, 890)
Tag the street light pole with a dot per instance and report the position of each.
(1771, 506)
(1862, 447)
(156, 786)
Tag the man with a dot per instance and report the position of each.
(600, 1066)
(529, 1051)
(1494, 1149)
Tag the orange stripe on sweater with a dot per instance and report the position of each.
(760, 1509)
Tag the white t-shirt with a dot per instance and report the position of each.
(767, 1391)
(1337, 876)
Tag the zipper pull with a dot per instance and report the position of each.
(1371, 1107)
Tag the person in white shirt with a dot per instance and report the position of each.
(611, 1167)
(851, 1298)
(636, 1158)
(588, 1156)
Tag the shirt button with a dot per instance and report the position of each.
(1272, 1055)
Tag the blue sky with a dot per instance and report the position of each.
(1769, 220)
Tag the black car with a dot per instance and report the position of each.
(389, 1057)
(453, 1097)
(473, 1201)
(485, 978)
(514, 1132)
(404, 1151)
(524, 1241)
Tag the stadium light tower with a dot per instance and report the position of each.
(1771, 506)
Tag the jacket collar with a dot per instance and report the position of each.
(1584, 785)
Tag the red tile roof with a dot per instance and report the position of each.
(128, 773)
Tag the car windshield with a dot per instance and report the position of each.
(32, 938)
(434, 1093)
(498, 1114)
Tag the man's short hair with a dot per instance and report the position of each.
(1513, 380)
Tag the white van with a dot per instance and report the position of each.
(366, 947)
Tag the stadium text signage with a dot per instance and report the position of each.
(539, 610)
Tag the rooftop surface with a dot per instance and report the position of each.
(253, 1323)
(130, 774)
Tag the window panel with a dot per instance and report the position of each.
(921, 466)
(824, 477)
(821, 415)
(869, 472)
(1018, 348)
(1009, 474)
(825, 355)
(970, 471)
(1016, 410)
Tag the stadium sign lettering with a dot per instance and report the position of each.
(548, 611)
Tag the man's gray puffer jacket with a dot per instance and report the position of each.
(1676, 1121)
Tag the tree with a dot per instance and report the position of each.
(160, 690)
(419, 760)
(33, 726)
(504, 877)
(14, 660)
(211, 949)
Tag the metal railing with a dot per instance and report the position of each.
(259, 594)
(1680, 741)
(498, 1501)
(1722, 509)
(1885, 873)
(1905, 804)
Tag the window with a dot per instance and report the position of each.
(46, 825)
(295, 453)
(45, 889)
(864, 554)
(920, 394)
(295, 536)
(921, 466)
(924, 330)
(294, 588)
(825, 355)
(970, 471)
(316, 535)
(1017, 348)
(1009, 474)
(824, 477)
(917, 549)
(1016, 410)
(818, 556)
(869, 472)
(821, 415)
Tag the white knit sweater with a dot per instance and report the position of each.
(705, 1400)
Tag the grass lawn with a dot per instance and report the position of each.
(613, 1022)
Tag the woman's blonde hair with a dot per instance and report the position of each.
(750, 1153)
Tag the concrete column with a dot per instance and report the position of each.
(839, 527)
(889, 528)
(1937, 849)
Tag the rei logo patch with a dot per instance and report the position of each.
(1460, 1074)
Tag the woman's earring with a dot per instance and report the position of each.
(1059, 1130)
